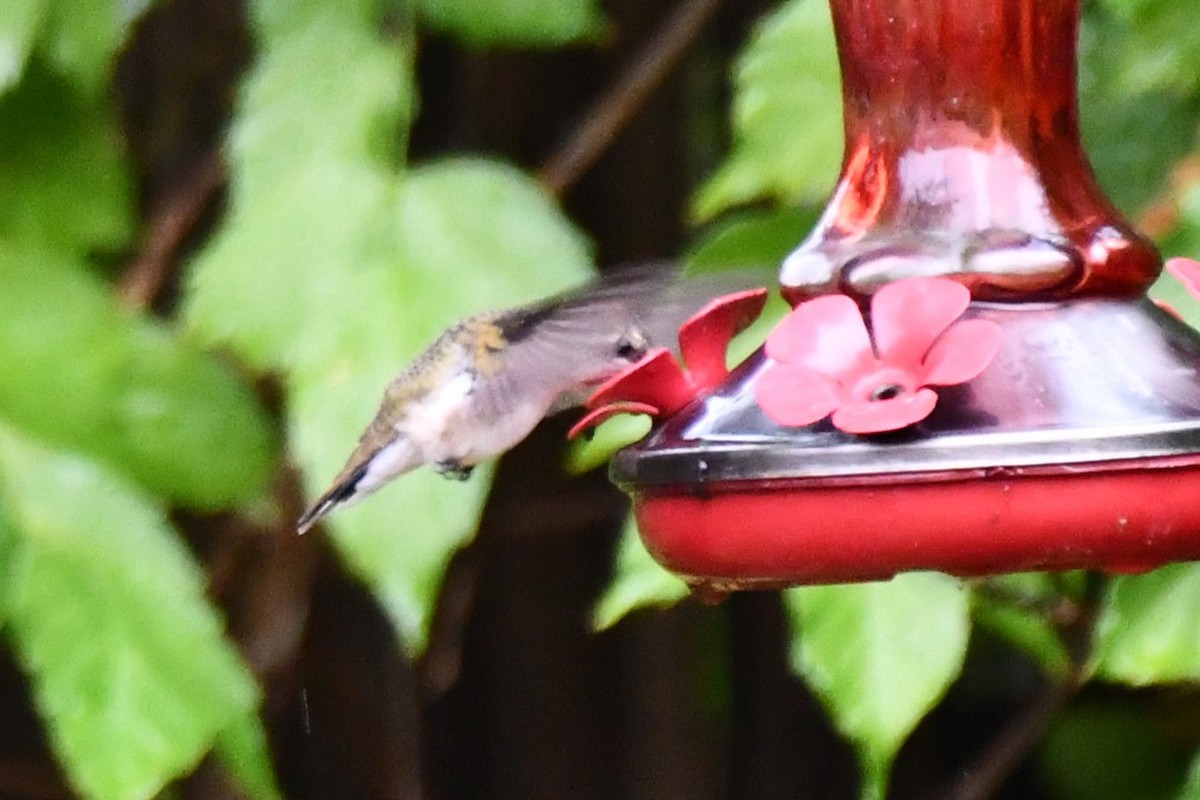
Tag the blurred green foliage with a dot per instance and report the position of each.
(787, 123)
(880, 656)
(343, 234)
(336, 260)
(518, 23)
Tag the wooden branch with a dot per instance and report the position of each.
(605, 120)
(985, 777)
(1012, 746)
(167, 229)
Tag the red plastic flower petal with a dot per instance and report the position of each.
(656, 381)
(961, 353)
(826, 334)
(598, 415)
(657, 384)
(885, 415)
(825, 363)
(705, 336)
(793, 395)
(899, 338)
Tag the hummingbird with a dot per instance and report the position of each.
(487, 381)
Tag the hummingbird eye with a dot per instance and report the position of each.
(632, 346)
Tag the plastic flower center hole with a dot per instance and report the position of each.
(887, 391)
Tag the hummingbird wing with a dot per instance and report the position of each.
(552, 351)
(558, 350)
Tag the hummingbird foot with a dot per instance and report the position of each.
(454, 470)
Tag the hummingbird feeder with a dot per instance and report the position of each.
(972, 378)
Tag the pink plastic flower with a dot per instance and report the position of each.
(826, 362)
(658, 385)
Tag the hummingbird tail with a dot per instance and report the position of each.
(366, 471)
(341, 492)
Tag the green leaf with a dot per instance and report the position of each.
(96, 378)
(639, 582)
(787, 120)
(1026, 629)
(310, 243)
(243, 750)
(487, 233)
(1185, 240)
(66, 182)
(585, 455)
(1114, 750)
(880, 655)
(327, 93)
(312, 188)
(365, 263)
(8, 545)
(83, 37)
(1019, 606)
(514, 23)
(1191, 789)
(750, 238)
(1129, 74)
(129, 667)
(1134, 161)
(18, 28)
(1170, 291)
(1147, 631)
(1148, 45)
(276, 21)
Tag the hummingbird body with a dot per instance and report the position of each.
(487, 381)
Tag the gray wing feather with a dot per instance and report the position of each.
(559, 346)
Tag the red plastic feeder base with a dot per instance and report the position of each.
(1079, 447)
(1122, 519)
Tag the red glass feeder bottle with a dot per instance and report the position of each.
(1032, 409)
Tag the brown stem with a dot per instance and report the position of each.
(613, 111)
(170, 225)
(1009, 749)
(985, 777)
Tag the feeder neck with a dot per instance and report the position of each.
(963, 158)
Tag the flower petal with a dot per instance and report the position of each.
(1187, 271)
(909, 314)
(885, 415)
(961, 353)
(703, 339)
(598, 415)
(826, 334)
(656, 380)
(795, 396)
